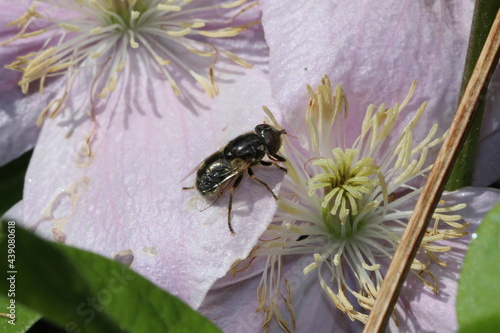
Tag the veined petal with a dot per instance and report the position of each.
(234, 305)
(374, 51)
(127, 195)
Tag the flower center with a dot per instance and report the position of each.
(345, 182)
(100, 35)
(125, 10)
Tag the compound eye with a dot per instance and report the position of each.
(271, 137)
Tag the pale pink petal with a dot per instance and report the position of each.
(233, 308)
(375, 50)
(15, 213)
(111, 181)
(129, 197)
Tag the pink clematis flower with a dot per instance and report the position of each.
(131, 96)
(354, 175)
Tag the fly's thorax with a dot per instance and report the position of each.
(248, 147)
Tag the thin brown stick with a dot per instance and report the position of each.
(434, 186)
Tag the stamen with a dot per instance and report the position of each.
(108, 31)
(69, 27)
(169, 8)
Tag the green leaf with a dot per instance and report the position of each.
(12, 181)
(25, 318)
(84, 292)
(483, 325)
(484, 15)
(478, 292)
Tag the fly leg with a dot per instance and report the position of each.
(266, 163)
(277, 157)
(250, 173)
(230, 204)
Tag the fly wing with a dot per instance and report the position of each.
(200, 165)
(191, 172)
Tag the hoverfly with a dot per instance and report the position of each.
(225, 168)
